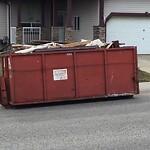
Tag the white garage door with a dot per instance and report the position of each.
(3, 20)
(133, 31)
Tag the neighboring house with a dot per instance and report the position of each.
(72, 20)
(129, 22)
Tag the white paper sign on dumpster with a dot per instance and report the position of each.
(60, 74)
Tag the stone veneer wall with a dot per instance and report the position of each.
(19, 37)
(43, 33)
(55, 34)
(99, 33)
(69, 34)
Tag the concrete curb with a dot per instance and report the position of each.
(144, 87)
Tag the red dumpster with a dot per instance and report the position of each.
(74, 74)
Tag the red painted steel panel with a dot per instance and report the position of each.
(60, 79)
(59, 60)
(90, 58)
(27, 78)
(120, 72)
(91, 81)
(119, 56)
(90, 74)
(120, 79)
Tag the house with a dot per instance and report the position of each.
(128, 21)
(3, 21)
(72, 20)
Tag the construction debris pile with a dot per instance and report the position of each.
(55, 46)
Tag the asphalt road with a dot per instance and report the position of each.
(108, 125)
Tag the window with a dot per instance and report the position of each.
(61, 13)
(61, 18)
(31, 14)
(76, 23)
(31, 24)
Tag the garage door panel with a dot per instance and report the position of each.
(133, 31)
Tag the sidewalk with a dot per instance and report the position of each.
(144, 62)
(144, 87)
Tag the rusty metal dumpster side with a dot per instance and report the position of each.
(69, 75)
(121, 72)
(90, 74)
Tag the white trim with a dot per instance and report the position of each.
(13, 35)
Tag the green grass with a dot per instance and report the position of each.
(144, 76)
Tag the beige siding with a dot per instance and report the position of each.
(3, 20)
(14, 18)
(88, 13)
(130, 6)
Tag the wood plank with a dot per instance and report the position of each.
(76, 44)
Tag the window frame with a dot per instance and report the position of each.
(76, 23)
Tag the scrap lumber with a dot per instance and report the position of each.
(97, 42)
(76, 44)
(39, 42)
(109, 45)
(20, 47)
(31, 49)
(113, 44)
(53, 45)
